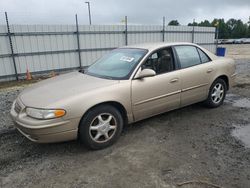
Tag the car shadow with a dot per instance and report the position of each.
(174, 114)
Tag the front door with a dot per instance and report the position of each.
(160, 93)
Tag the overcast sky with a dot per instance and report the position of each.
(113, 11)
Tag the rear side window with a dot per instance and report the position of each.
(204, 57)
(188, 56)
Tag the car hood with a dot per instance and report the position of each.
(53, 90)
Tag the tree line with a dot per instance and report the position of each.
(230, 29)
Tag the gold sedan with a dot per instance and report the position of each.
(127, 85)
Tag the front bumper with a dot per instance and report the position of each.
(44, 131)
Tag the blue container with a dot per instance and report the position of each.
(221, 51)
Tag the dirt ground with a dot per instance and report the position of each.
(237, 51)
(190, 144)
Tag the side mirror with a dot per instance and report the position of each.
(145, 73)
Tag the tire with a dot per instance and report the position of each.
(100, 127)
(217, 90)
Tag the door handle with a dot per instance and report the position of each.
(174, 80)
(210, 70)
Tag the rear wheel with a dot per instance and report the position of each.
(216, 94)
(101, 127)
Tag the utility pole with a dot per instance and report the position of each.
(217, 33)
(89, 12)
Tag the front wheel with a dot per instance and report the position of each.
(216, 94)
(100, 127)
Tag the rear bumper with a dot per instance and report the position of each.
(45, 131)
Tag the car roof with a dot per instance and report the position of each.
(156, 45)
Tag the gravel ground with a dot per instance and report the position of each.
(7, 96)
(189, 144)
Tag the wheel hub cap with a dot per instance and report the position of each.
(217, 93)
(103, 127)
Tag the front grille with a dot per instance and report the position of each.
(17, 107)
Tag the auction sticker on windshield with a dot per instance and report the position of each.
(128, 59)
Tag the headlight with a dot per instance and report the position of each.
(44, 113)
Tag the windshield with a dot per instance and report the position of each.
(118, 64)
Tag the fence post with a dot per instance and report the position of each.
(163, 29)
(193, 32)
(11, 46)
(78, 43)
(217, 36)
(126, 30)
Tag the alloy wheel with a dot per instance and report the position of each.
(103, 127)
(217, 93)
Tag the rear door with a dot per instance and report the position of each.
(195, 70)
(160, 93)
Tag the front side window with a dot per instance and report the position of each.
(118, 64)
(188, 56)
(161, 61)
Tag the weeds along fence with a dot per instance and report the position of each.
(43, 48)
